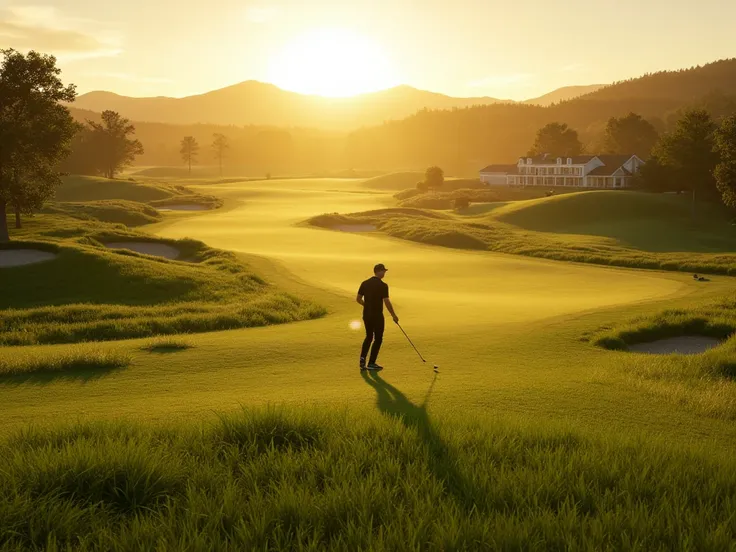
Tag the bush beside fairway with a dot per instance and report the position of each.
(311, 480)
(90, 293)
(615, 228)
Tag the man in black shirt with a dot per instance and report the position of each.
(372, 295)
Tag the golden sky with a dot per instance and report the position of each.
(515, 49)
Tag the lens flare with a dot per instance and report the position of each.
(355, 325)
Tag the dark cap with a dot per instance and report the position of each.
(379, 267)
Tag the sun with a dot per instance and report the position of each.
(333, 63)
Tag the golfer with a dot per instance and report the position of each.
(372, 295)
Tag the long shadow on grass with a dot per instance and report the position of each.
(81, 374)
(441, 459)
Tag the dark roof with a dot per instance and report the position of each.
(548, 159)
(508, 169)
(612, 163)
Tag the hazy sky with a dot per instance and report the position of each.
(502, 48)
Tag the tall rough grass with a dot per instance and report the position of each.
(55, 363)
(274, 480)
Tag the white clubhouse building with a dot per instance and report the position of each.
(583, 171)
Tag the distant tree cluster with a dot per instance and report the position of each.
(105, 148)
(35, 132)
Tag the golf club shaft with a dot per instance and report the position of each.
(410, 341)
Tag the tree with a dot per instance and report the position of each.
(110, 143)
(220, 145)
(558, 140)
(689, 154)
(434, 178)
(422, 187)
(189, 151)
(725, 172)
(35, 131)
(630, 134)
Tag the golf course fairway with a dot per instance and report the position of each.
(505, 330)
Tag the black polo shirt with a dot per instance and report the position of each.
(374, 291)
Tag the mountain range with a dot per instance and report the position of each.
(257, 103)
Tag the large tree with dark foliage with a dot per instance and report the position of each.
(558, 140)
(630, 134)
(688, 156)
(110, 143)
(725, 172)
(35, 131)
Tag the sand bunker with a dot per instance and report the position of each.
(147, 248)
(356, 228)
(22, 257)
(684, 345)
(183, 207)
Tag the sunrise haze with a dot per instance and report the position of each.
(515, 50)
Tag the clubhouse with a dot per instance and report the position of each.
(583, 171)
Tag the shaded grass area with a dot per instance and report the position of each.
(167, 345)
(666, 237)
(705, 382)
(310, 480)
(91, 293)
(43, 368)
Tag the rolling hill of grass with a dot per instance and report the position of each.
(129, 213)
(530, 438)
(628, 229)
(92, 293)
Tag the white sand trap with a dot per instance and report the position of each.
(22, 257)
(356, 228)
(183, 207)
(684, 345)
(153, 249)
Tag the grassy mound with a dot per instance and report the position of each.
(640, 231)
(650, 222)
(91, 293)
(129, 213)
(77, 189)
(394, 181)
(92, 188)
(82, 364)
(273, 480)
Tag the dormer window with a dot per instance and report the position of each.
(521, 161)
(559, 160)
(528, 160)
(569, 160)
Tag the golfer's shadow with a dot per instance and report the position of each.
(440, 458)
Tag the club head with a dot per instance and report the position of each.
(436, 368)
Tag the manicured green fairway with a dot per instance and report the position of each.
(505, 330)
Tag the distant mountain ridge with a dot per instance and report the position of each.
(257, 103)
(564, 94)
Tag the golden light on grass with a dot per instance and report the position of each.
(332, 62)
(355, 325)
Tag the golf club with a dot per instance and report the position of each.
(436, 368)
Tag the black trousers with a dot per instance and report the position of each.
(374, 327)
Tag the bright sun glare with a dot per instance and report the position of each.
(332, 62)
